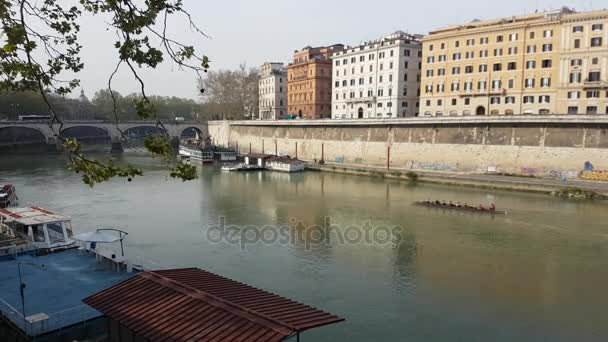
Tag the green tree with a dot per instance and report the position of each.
(50, 29)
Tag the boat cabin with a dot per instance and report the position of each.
(285, 164)
(42, 228)
(257, 159)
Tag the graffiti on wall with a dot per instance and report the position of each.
(432, 166)
(595, 175)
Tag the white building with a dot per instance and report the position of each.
(273, 91)
(378, 79)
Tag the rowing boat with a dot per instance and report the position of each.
(463, 209)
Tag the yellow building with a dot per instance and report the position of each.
(514, 65)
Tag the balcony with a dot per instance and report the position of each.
(595, 84)
(487, 92)
(362, 99)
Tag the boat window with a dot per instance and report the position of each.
(55, 232)
(21, 229)
(68, 228)
(38, 233)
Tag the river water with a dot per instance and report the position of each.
(539, 273)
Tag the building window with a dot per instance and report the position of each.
(468, 69)
(546, 63)
(483, 68)
(483, 40)
(512, 66)
(454, 102)
(576, 29)
(455, 70)
(545, 82)
(511, 83)
(594, 76)
(577, 43)
(597, 27)
(499, 39)
(596, 41)
(592, 110)
(456, 56)
(512, 51)
(496, 84)
(494, 100)
(573, 95)
(498, 52)
(497, 67)
(575, 77)
(467, 101)
(595, 61)
(544, 99)
(532, 35)
(593, 94)
(455, 86)
(530, 82)
(406, 53)
(510, 100)
(441, 72)
(572, 110)
(528, 99)
(483, 53)
(548, 34)
(530, 64)
(547, 47)
(513, 37)
(576, 62)
(531, 49)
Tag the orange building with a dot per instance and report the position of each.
(309, 82)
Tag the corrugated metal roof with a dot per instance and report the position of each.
(196, 305)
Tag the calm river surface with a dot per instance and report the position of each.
(538, 274)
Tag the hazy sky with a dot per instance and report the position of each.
(255, 31)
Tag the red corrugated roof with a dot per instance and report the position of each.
(196, 305)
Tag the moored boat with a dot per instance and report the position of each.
(44, 229)
(461, 208)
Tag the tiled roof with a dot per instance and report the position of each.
(196, 305)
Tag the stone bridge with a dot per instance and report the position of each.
(173, 129)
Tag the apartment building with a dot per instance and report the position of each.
(583, 82)
(273, 91)
(514, 65)
(378, 79)
(309, 82)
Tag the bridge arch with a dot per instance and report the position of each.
(85, 132)
(191, 133)
(143, 131)
(21, 135)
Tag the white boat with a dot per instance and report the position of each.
(240, 167)
(195, 153)
(44, 229)
(285, 164)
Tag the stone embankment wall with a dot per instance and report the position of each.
(553, 146)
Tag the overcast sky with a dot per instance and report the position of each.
(255, 31)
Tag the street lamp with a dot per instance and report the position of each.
(22, 287)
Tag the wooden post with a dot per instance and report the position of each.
(249, 148)
(276, 149)
(296, 150)
(263, 146)
(388, 158)
(323, 151)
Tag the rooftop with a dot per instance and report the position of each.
(56, 290)
(31, 215)
(196, 305)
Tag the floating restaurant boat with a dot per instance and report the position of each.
(8, 196)
(43, 229)
(285, 164)
(196, 153)
(460, 208)
(240, 167)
